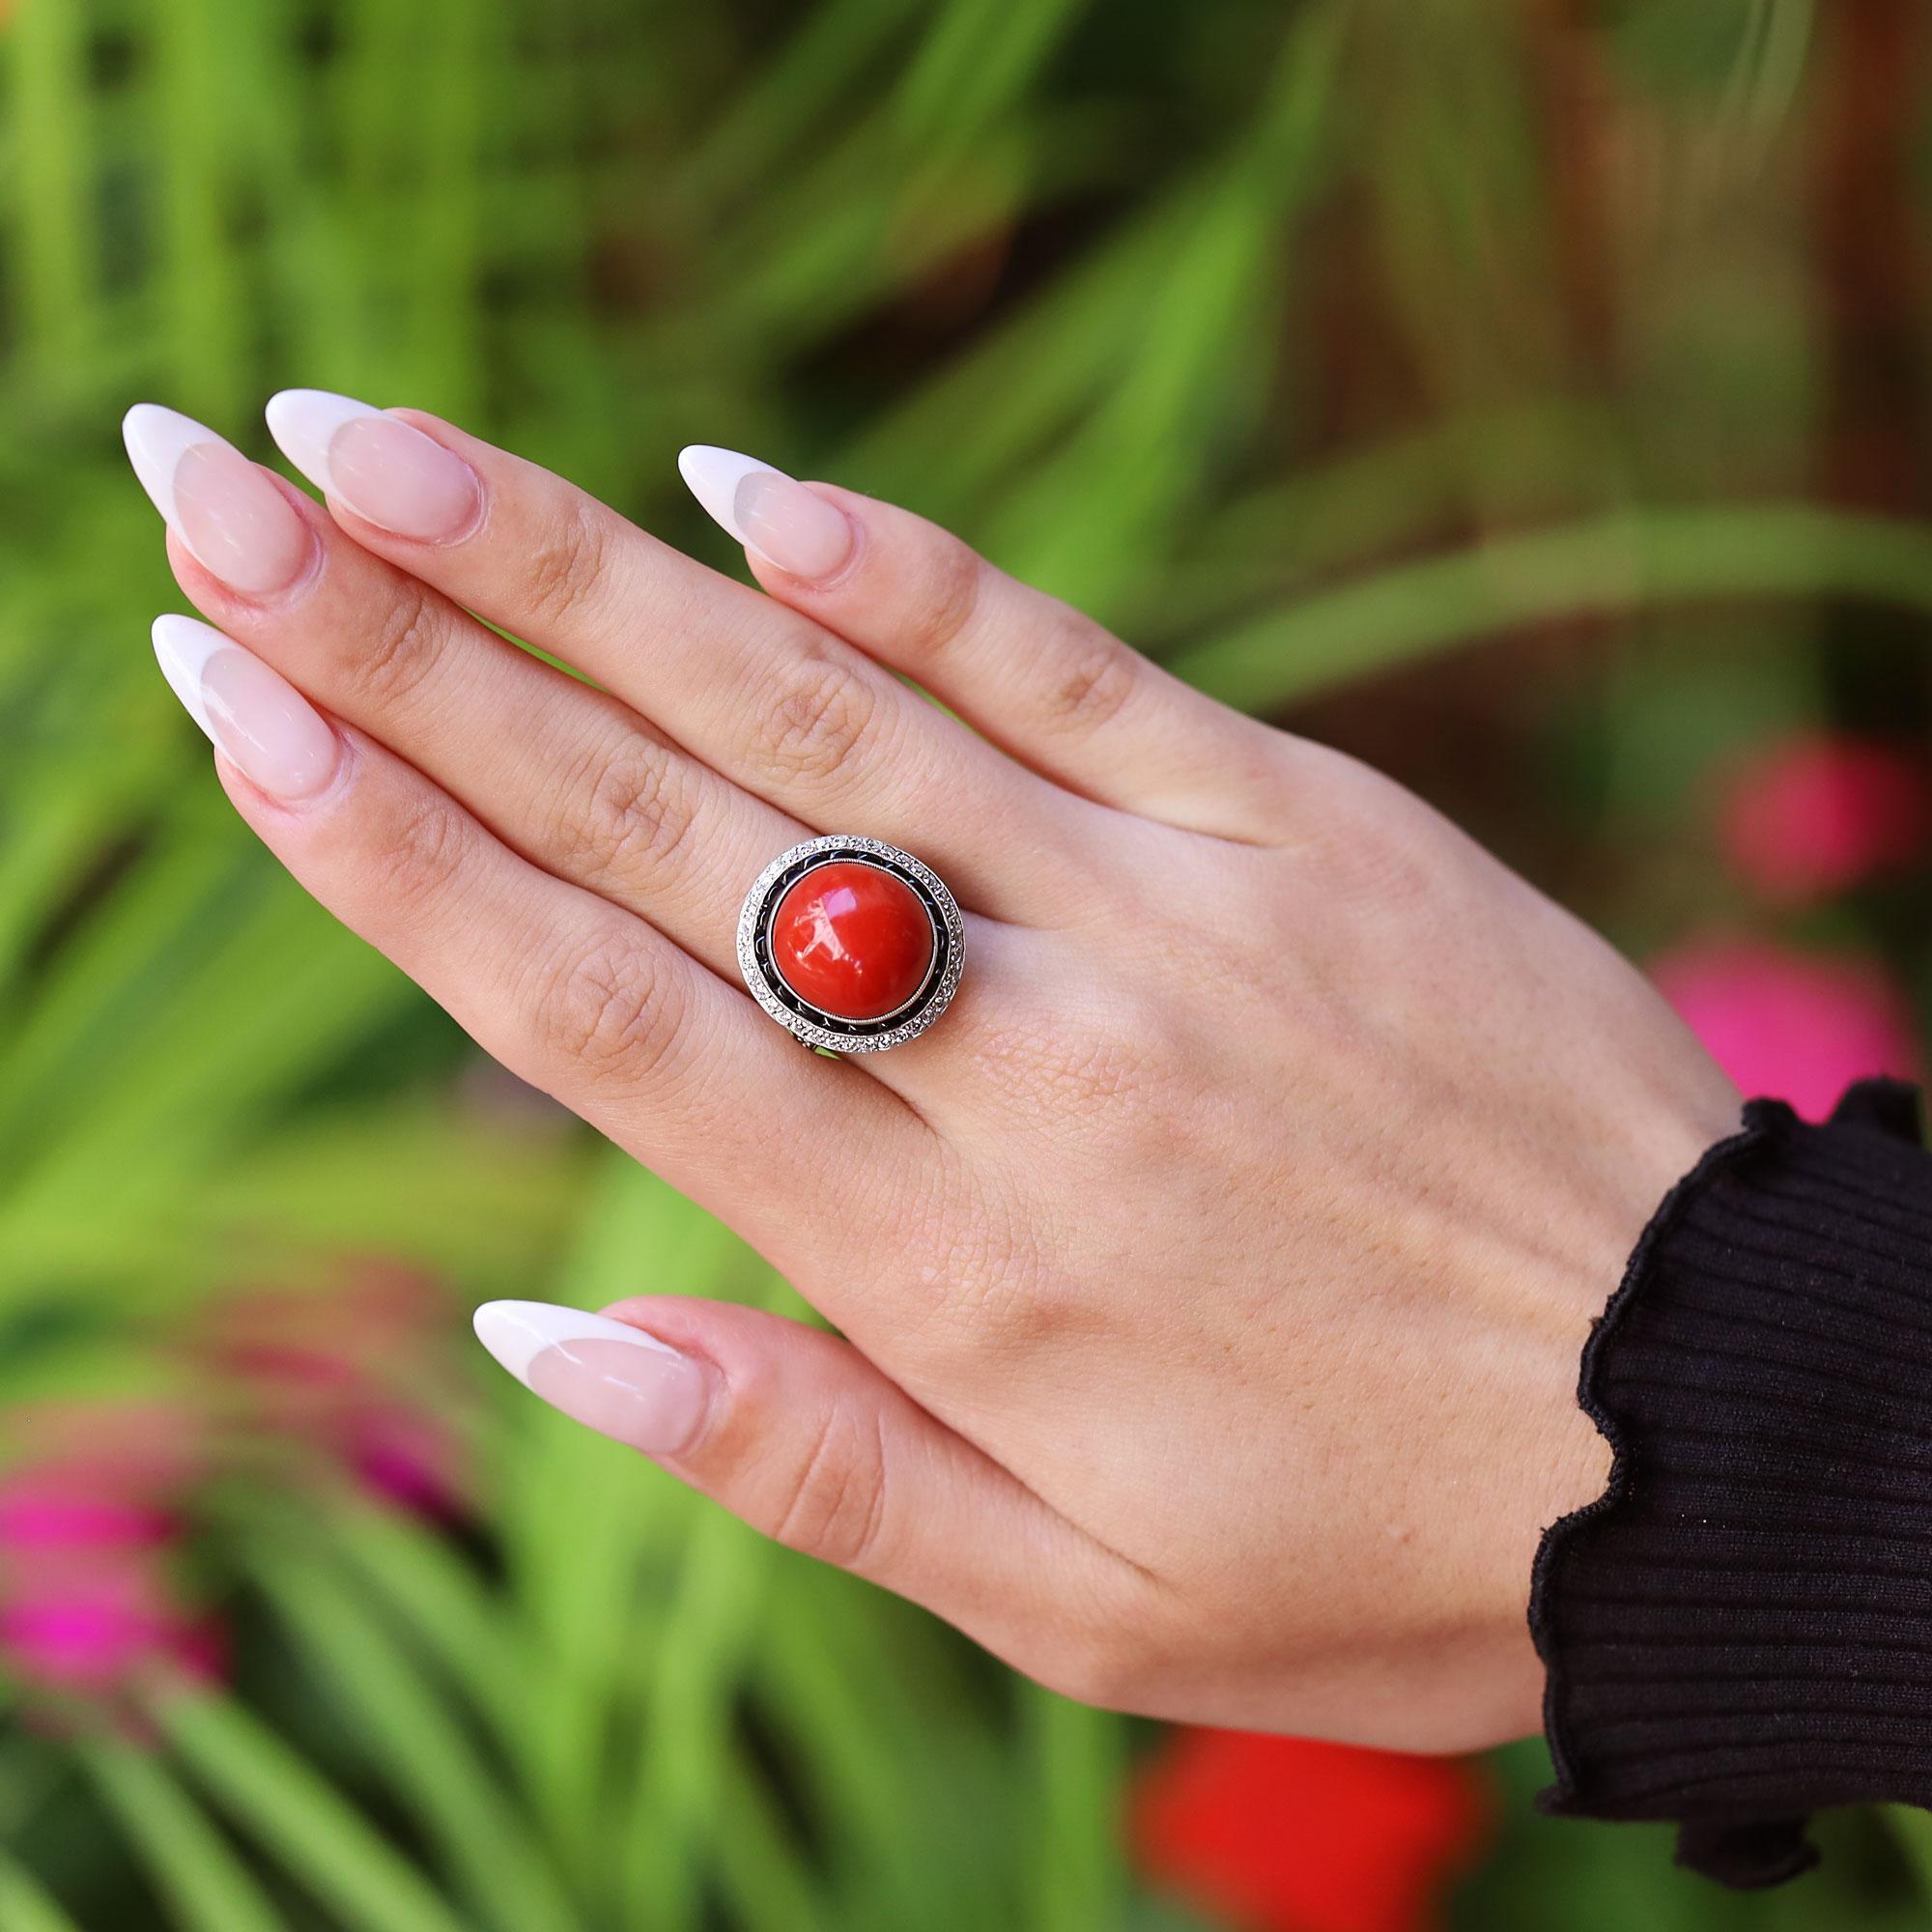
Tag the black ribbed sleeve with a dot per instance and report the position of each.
(1739, 1631)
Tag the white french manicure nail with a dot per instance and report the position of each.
(383, 469)
(303, 423)
(787, 525)
(182, 647)
(156, 441)
(228, 513)
(607, 1375)
(253, 714)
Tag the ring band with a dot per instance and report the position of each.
(850, 943)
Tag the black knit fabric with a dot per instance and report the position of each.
(1739, 1631)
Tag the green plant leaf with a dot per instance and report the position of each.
(435, 1767)
(207, 1886)
(300, 1818)
(1633, 561)
(25, 1904)
(1078, 1863)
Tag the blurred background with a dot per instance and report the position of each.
(1534, 398)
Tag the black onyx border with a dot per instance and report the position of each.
(804, 1009)
(809, 1023)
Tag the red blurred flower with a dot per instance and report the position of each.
(1795, 1025)
(1813, 815)
(1281, 1836)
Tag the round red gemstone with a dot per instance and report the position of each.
(852, 940)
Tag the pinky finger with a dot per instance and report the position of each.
(798, 1433)
(1040, 679)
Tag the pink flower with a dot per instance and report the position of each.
(407, 1458)
(90, 1603)
(1800, 1027)
(1813, 815)
(88, 1494)
(40, 1516)
(103, 1639)
(358, 1377)
(358, 1381)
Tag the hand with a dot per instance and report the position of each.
(1210, 1280)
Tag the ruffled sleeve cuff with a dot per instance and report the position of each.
(1739, 1632)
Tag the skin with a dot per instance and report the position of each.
(1210, 1280)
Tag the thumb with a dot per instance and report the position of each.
(801, 1435)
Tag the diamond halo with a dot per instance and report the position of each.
(810, 1024)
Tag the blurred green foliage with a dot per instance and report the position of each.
(1301, 342)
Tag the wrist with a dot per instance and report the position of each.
(1559, 1460)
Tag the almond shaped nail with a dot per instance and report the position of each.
(225, 510)
(790, 526)
(388, 471)
(250, 713)
(607, 1375)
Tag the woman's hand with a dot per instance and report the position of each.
(1210, 1280)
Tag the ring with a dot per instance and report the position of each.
(850, 943)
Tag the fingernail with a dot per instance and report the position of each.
(251, 714)
(604, 1373)
(786, 523)
(387, 471)
(232, 518)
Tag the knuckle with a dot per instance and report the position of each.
(945, 597)
(401, 647)
(1364, 841)
(820, 720)
(606, 1010)
(1115, 1068)
(418, 851)
(1097, 679)
(832, 1501)
(563, 568)
(1376, 863)
(637, 816)
(1014, 1311)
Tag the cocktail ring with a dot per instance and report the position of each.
(851, 944)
